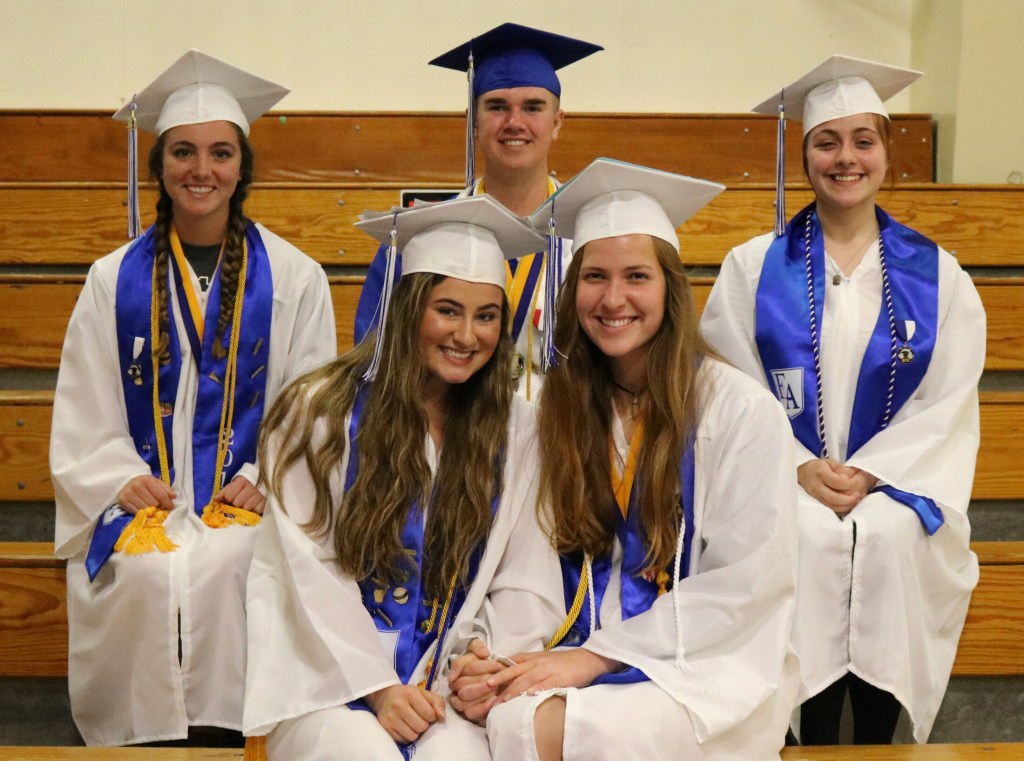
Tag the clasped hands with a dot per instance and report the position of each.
(478, 682)
(838, 487)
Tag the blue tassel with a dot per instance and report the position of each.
(470, 118)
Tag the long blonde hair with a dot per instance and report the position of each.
(393, 471)
(575, 414)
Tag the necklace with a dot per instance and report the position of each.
(635, 403)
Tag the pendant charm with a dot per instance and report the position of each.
(426, 626)
(135, 373)
(378, 595)
(905, 354)
(401, 595)
(518, 366)
(836, 280)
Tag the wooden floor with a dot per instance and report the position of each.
(960, 752)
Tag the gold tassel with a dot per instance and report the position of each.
(662, 580)
(145, 533)
(220, 515)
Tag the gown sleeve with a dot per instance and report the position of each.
(718, 644)
(92, 455)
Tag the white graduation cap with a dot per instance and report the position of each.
(465, 238)
(199, 88)
(610, 198)
(195, 89)
(840, 86)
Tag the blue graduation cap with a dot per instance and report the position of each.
(511, 55)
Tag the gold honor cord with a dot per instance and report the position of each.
(219, 514)
(428, 626)
(574, 610)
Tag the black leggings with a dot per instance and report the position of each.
(875, 713)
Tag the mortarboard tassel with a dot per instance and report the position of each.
(385, 301)
(548, 357)
(134, 222)
(470, 118)
(780, 170)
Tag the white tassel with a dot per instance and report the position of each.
(134, 221)
(780, 170)
(384, 303)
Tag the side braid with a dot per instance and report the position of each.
(233, 247)
(229, 271)
(162, 248)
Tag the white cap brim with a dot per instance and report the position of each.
(611, 198)
(199, 88)
(465, 238)
(838, 87)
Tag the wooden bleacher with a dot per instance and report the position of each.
(62, 201)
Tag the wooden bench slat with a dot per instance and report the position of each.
(33, 623)
(43, 753)
(37, 310)
(409, 147)
(67, 224)
(937, 752)
(991, 642)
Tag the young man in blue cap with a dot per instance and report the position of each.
(515, 116)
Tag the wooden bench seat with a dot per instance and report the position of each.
(75, 223)
(33, 614)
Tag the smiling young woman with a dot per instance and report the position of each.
(176, 345)
(396, 474)
(664, 561)
(872, 337)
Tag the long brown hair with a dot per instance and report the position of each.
(233, 246)
(577, 504)
(393, 473)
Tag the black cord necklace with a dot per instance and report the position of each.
(635, 403)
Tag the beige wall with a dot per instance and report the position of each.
(661, 55)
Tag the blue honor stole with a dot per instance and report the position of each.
(133, 314)
(404, 611)
(639, 588)
(783, 335)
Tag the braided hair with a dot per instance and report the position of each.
(234, 246)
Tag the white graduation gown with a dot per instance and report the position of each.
(308, 628)
(731, 693)
(125, 679)
(877, 596)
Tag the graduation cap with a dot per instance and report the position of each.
(838, 87)
(199, 88)
(511, 55)
(466, 238)
(196, 88)
(610, 198)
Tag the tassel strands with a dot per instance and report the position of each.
(470, 143)
(385, 301)
(549, 355)
(780, 169)
(134, 220)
